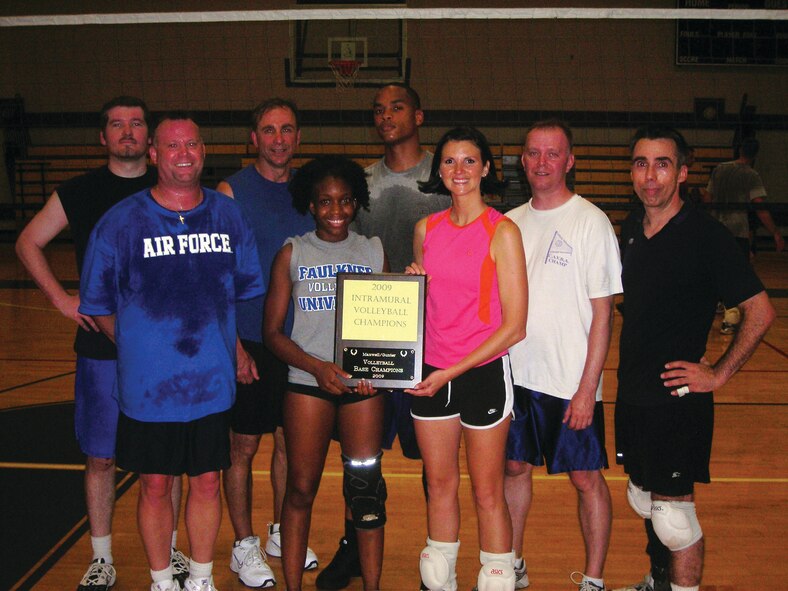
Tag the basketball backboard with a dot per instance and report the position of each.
(378, 47)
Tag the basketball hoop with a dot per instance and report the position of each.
(345, 71)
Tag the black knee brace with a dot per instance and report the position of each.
(365, 491)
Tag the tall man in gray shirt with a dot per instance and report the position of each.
(396, 204)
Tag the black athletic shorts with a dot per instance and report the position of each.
(666, 449)
(192, 448)
(258, 406)
(482, 397)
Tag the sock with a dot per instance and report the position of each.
(518, 560)
(675, 587)
(200, 570)
(174, 538)
(273, 529)
(161, 575)
(102, 548)
(597, 582)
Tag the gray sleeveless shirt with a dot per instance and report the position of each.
(313, 267)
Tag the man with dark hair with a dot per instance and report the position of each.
(396, 204)
(261, 191)
(163, 272)
(80, 203)
(678, 261)
(574, 271)
(738, 183)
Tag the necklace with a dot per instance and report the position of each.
(167, 204)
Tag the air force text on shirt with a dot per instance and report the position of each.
(159, 246)
(315, 275)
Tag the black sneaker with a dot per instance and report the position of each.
(344, 566)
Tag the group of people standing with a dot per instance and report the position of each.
(199, 292)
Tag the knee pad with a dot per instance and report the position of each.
(639, 500)
(365, 491)
(437, 562)
(497, 572)
(675, 524)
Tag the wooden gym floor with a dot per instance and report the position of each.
(743, 511)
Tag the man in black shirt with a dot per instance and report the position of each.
(678, 263)
(79, 203)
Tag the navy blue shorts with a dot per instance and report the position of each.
(398, 422)
(537, 435)
(258, 406)
(481, 398)
(95, 406)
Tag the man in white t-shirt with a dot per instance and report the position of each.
(574, 270)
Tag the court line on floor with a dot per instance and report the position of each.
(48, 560)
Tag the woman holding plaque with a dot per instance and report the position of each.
(332, 188)
(477, 300)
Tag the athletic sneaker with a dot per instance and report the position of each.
(199, 585)
(180, 566)
(584, 584)
(100, 576)
(341, 569)
(248, 561)
(521, 572)
(171, 585)
(660, 582)
(273, 547)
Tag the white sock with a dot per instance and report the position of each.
(200, 570)
(102, 548)
(161, 575)
(675, 587)
(174, 538)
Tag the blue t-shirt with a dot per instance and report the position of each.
(268, 207)
(173, 286)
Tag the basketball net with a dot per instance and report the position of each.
(345, 72)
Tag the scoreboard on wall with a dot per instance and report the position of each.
(732, 42)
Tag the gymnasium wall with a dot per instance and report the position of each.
(571, 66)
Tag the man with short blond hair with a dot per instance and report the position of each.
(163, 272)
(574, 271)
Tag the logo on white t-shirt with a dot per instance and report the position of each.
(560, 251)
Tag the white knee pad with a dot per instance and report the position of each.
(639, 500)
(675, 524)
(497, 572)
(437, 563)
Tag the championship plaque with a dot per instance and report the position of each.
(380, 328)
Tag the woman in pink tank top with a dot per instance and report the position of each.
(477, 300)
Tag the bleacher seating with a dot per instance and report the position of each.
(601, 173)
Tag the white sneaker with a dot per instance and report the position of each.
(171, 585)
(521, 572)
(180, 566)
(100, 576)
(273, 547)
(248, 561)
(199, 585)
